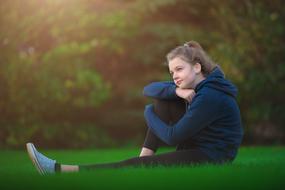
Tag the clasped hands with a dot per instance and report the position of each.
(185, 93)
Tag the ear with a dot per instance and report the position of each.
(197, 68)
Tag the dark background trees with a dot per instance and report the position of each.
(72, 72)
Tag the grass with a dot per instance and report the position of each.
(254, 168)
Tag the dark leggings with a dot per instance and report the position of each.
(169, 111)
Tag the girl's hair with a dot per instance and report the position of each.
(193, 53)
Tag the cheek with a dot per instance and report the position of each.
(189, 77)
(184, 74)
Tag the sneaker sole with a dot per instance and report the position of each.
(31, 151)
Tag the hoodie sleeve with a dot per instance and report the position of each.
(161, 90)
(200, 114)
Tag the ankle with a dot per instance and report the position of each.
(146, 152)
(69, 168)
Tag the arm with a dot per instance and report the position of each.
(201, 112)
(161, 90)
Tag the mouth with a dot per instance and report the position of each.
(179, 82)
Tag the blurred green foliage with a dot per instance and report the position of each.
(72, 72)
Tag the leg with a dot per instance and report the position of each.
(169, 111)
(46, 165)
(182, 157)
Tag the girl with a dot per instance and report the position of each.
(197, 113)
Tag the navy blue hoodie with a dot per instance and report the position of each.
(212, 121)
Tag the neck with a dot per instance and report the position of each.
(199, 79)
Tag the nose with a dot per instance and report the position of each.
(175, 77)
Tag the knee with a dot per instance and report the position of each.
(169, 110)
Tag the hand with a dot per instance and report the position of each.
(185, 93)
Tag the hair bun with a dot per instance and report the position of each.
(193, 44)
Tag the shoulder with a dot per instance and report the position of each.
(214, 97)
(210, 94)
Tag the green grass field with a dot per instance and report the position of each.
(254, 168)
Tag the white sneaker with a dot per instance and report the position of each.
(43, 164)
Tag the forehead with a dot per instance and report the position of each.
(177, 61)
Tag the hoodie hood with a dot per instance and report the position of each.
(216, 80)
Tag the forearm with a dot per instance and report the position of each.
(161, 90)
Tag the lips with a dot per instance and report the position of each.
(179, 82)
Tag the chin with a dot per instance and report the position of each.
(182, 86)
(185, 86)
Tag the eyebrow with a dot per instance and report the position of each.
(175, 68)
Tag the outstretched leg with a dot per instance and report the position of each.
(182, 157)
